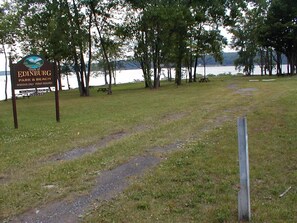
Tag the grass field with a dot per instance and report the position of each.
(198, 183)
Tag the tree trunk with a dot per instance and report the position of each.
(68, 81)
(6, 75)
(92, 7)
(262, 62)
(195, 69)
(179, 57)
(169, 76)
(146, 63)
(190, 68)
(270, 62)
(146, 74)
(156, 62)
(155, 73)
(105, 74)
(114, 74)
(88, 73)
(294, 62)
(76, 67)
(204, 66)
(84, 91)
(59, 75)
(82, 74)
(178, 72)
(278, 63)
(75, 26)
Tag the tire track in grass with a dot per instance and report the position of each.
(115, 137)
(108, 185)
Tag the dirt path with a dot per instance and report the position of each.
(108, 185)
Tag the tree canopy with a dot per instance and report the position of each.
(161, 33)
(263, 32)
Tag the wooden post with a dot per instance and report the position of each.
(244, 207)
(56, 93)
(13, 99)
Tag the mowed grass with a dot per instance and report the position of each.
(199, 183)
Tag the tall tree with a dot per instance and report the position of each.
(245, 38)
(101, 15)
(280, 30)
(170, 32)
(8, 27)
(80, 35)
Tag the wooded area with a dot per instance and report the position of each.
(170, 33)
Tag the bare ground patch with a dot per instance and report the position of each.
(79, 152)
(174, 116)
(246, 91)
(242, 91)
(4, 179)
(108, 185)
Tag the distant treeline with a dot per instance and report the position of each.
(2, 73)
(229, 59)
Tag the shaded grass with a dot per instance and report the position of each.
(197, 184)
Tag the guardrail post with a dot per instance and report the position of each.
(244, 207)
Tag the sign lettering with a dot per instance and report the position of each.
(33, 71)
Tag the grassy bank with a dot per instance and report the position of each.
(198, 183)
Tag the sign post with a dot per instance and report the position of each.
(33, 71)
(57, 95)
(244, 207)
(14, 109)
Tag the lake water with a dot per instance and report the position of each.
(124, 76)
